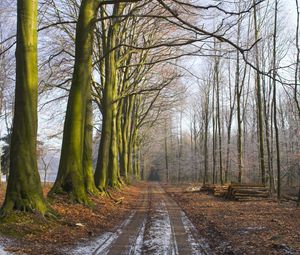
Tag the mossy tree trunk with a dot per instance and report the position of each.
(129, 134)
(126, 135)
(70, 178)
(87, 161)
(103, 174)
(113, 174)
(24, 190)
(136, 160)
(135, 138)
(120, 137)
(123, 118)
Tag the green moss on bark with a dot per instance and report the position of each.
(71, 177)
(24, 190)
(107, 163)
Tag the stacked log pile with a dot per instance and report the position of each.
(247, 192)
(216, 190)
(238, 192)
(220, 190)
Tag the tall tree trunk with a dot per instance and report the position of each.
(102, 175)
(24, 190)
(129, 134)
(135, 137)
(219, 118)
(297, 74)
(196, 150)
(166, 152)
(232, 106)
(267, 130)
(70, 178)
(275, 103)
(179, 148)
(113, 173)
(239, 89)
(259, 104)
(114, 170)
(124, 130)
(206, 124)
(214, 136)
(135, 154)
(87, 161)
(120, 141)
(297, 60)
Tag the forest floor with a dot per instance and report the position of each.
(157, 219)
(36, 235)
(231, 227)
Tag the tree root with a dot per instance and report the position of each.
(74, 197)
(35, 206)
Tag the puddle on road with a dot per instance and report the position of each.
(137, 247)
(155, 236)
(158, 238)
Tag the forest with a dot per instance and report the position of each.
(149, 127)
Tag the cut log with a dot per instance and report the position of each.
(220, 190)
(247, 192)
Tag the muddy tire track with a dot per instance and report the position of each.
(157, 227)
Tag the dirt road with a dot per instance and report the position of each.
(157, 226)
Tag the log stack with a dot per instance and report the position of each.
(220, 190)
(216, 190)
(247, 192)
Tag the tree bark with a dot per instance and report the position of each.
(103, 174)
(259, 106)
(214, 137)
(217, 81)
(179, 139)
(24, 190)
(206, 124)
(87, 161)
(70, 178)
(297, 60)
(166, 152)
(239, 89)
(231, 113)
(275, 104)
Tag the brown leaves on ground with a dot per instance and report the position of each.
(256, 227)
(33, 234)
